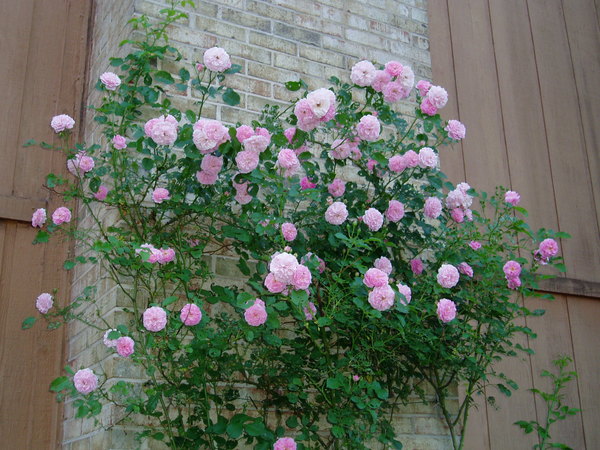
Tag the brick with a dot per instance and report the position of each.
(219, 28)
(250, 85)
(298, 34)
(322, 56)
(247, 20)
(272, 42)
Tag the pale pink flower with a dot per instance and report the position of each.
(512, 269)
(217, 59)
(407, 78)
(416, 265)
(162, 130)
(447, 276)
(101, 194)
(475, 245)
(373, 219)
(246, 161)
(355, 377)
(44, 303)
(284, 443)
(38, 219)
(256, 314)
(119, 142)
(321, 101)
(289, 231)
(406, 291)
(382, 298)
(394, 68)
(456, 130)
(256, 144)
(368, 128)
(438, 96)
(428, 108)
(305, 184)
(288, 160)
(200, 67)
(61, 123)
(125, 346)
(302, 277)
(283, 266)
(512, 197)
(209, 134)
(513, 283)
(242, 196)
(363, 73)
(274, 286)
(458, 198)
(110, 80)
(411, 158)
(61, 215)
(310, 311)
(85, 381)
(154, 253)
(80, 164)
(211, 164)
(341, 149)
(110, 343)
(548, 248)
(243, 132)
(465, 269)
(394, 91)
(336, 214)
(423, 87)
(166, 255)
(383, 264)
(375, 278)
(395, 211)
(371, 164)
(159, 195)
(433, 207)
(446, 310)
(381, 79)
(307, 120)
(397, 163)
(428, 158)
(206, 178)
(337, 188)
(155, 318)
(190, 314)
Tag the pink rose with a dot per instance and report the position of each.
(394, 68)
(458, 198)
(395, 211)
(433, 207)
(548, 248)
(61, 123)
(382, 298)
(125, 346)
(44, 303)
(242, 196)
(162, 130)
(257, 143)
(101, 194)
(416, 265)
(411, 159)
(209, 134)
(456, 130)
(284, 443)
(355, 377)
(274, 286)
(154, 318)
(397, 163)
(458, 215)
(381, 79)
(475, 245)
(307, 120)
(256, 314)
(289, 231)
(512, 269)
(341, 148)
(423, 87)
(320, 101)
(383, 264)
(111, 81)
(80, 164)
(61, 215)
(337, 188)
(406, 292)
(373, 219)
(375, 278)
(110, 343)
(438, 96)
(38, 219)
(368, 128)
(206, 178)
(217, 59)
(336, 214)
(85, 381)
(200, 67)
(310, 311)
(283, 266)
(428, 158)
(513, 283)
(166, 255)
(211, 164)
(394, 91)
(243, 132)
(159, 195)
(371, 165)
(190, 315)
(446, 310)
(447, 276)
(465, 269)
(119, 142)
(246, 161)
(428, 108)
(363, 73)
(512, 197)
(302, 278)
(305, 184)
(288, 160)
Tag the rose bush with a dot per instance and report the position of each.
(368, 275)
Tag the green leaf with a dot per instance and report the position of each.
(184, 74)
(68, 265)
(255, 428)
(60, 383)
(231, 97)
(164, 77)
(172, 299)
(28, 323)
(235, 68)
(41, 237)
(299, 297)
(29, 143)
(235, 429)
(147, 163)
(293, 85)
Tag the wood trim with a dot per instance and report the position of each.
(571, 286)
(18, 208)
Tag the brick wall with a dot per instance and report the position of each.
(274, 41)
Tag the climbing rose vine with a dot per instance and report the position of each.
(364, 278)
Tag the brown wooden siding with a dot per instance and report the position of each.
(524, 76)
(42, 68)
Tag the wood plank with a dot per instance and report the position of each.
(571, 286)
(554, 341)
(442, 62)
(568, 159)
(16, 208)
(584, 42)
(584, 316)
(14, 44)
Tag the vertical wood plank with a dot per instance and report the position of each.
(584, 315)
(570, 173)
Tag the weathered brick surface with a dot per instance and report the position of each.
(274, 41)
